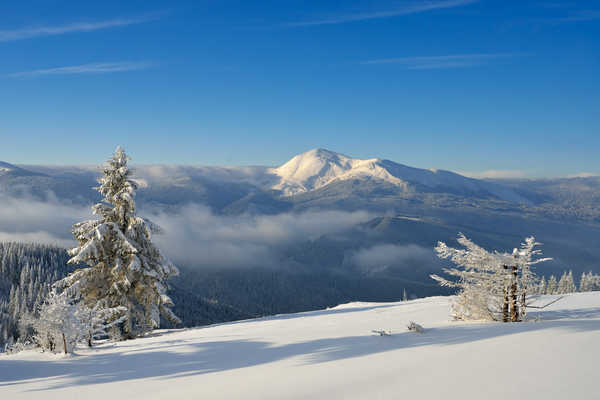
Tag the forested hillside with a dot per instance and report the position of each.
(27, 272)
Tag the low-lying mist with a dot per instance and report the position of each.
(192, 234)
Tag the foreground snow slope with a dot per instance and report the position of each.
(332, 354)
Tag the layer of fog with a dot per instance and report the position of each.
(192, 235)
(380, 257)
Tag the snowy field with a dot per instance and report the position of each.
(332, 354)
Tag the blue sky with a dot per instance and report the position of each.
(464, 85)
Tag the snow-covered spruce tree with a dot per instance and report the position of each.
(583, 283)
(552, 285)
(492, 285)
(566, 284)
(125, 268)
(541, 289)
(589, 282)
(562, 284)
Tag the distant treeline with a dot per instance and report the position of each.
(204, 296)
(27, 271)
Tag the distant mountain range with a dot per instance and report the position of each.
(322, 179)
(410, 205)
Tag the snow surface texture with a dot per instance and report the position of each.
(332, 354)
(319, 167)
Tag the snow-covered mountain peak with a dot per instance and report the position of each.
(319, 167)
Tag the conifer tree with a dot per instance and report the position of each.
(542, 286)
(552, 287)
(125, 268)
(583, 283)
(570, 285)
(566, 283)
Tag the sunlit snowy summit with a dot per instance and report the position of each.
(319, 167)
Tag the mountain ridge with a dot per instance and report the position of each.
(319, 167)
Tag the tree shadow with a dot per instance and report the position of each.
(189, 357)
(555, 315)
(307, 314)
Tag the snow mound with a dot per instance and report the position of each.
(333, 354)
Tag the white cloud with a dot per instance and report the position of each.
(192, 234)
(583, 175)
(382, 256)
(33, 220)
(441, 62)
(94, 68)
(496, 174)
(410, 8)
(31, 32)
(578, 16)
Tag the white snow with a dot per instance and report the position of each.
(319, 167)
(6, 167)
(333, 354)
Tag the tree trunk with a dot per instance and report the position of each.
(523, 304)
(89, 342)
(64, 342)
(505, 303)
(514, 308)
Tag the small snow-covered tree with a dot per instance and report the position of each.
(492, 285)
(479, 278)
(552, 287)
(583, 283)
(589, 282)
(566, 283)
(97, 320)
(57, 326)
(571, 288)
(525, 257)
(542, 286)
(562, 284)
(125, 268)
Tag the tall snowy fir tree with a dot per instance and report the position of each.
(125, 268)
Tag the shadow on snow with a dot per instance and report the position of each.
(180, 357)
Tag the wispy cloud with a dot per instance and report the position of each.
(410, 8)
(31, 32)
(440, 62)
(496, 174)
(95, 68)
(579, 16)
(584, 175)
